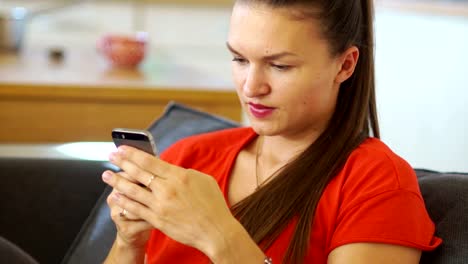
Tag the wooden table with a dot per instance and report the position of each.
(81, 98)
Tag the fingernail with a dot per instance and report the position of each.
(107, 176)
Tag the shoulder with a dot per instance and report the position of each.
(376, 151)
(208, 144)
(373, 159)
(375, 194)
(372, 170)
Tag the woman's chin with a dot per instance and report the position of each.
(264, 129)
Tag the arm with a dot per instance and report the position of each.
(122, 253)
(369, 253)
(234, 245)
(132, 234)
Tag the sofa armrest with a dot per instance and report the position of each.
(96, 235)
(45, 202)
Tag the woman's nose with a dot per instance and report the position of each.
(255, 84)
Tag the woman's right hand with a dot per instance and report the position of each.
(132, 232)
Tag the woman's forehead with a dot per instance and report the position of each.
(262, 27)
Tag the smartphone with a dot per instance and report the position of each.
(140, 139)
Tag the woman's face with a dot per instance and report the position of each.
(283, 71)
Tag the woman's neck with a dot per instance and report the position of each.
(274, 152)
(281, 149)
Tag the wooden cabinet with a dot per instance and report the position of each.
(32, 113)
(81, 98)
(55, 111)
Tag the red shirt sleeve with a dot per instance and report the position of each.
(381, 203)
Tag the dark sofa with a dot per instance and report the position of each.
(55, 209)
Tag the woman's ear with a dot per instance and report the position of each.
(347, 62)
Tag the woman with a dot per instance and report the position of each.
(306, 183)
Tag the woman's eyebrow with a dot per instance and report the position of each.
(230, 48)
(269, 57)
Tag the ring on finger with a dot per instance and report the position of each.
(150, 181)
(123, 213)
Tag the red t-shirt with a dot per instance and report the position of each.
(374, 198)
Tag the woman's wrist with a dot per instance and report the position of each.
(126, 252)
(137, 242)
(233, 244)
(122, 243)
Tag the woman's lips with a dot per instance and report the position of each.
(260, 111)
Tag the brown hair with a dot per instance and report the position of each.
(294, 193)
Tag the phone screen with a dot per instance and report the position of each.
(140, 139)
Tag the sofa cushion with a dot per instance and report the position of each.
(446, 198)
(98, 233)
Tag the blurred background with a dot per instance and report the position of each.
(421, 55)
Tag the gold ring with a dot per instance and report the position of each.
(150, 181)
(123, 213)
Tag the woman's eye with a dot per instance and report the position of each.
(239, 60)
(281, 67)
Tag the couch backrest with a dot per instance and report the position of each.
(36, 197)
(446, 198)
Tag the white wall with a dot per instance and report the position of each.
(422, 88)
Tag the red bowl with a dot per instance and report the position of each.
(124, 51)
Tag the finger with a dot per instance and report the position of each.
(119, 214)
(127, 188)
(116, 211)
(135, 172)
(144, 160)
(139, 210)
(126, 176)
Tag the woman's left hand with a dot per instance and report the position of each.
(186, 205)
